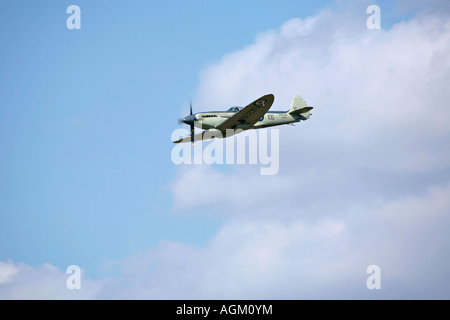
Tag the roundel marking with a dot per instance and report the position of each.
(261, 103)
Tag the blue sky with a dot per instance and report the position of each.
(86, 118)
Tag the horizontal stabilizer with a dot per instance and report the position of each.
(302, 110)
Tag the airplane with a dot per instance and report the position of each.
(256, 115)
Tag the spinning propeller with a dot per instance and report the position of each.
(189, 120)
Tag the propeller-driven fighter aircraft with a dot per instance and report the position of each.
(256, 115)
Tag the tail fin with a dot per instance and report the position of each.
(299, 106)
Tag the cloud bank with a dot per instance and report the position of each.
(271, 258)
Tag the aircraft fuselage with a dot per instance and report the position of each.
(210, 120)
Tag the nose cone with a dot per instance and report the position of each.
(189, 119)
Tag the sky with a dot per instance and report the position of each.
(87, 178)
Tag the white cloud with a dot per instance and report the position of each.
(270, 258)
(7, 271)
(243, 191)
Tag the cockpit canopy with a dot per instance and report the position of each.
(235, 109)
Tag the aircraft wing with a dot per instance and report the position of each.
(205, 135)
(197, 137)
(248, 116)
